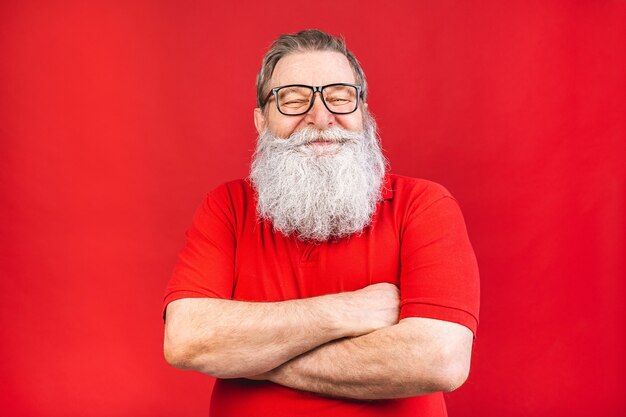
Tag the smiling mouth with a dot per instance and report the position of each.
(322, 142)
(321, 147)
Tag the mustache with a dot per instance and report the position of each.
(334, 134)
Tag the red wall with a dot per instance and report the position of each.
(117, 117)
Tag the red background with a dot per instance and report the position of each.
(117, 117)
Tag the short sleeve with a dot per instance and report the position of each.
(205, 266)
(439, 274)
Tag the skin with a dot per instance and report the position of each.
(416, 356)
(309, 68)
(348, 345)
(235, 339)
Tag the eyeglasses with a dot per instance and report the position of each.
(297, 99)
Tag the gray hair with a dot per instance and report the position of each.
(306, 40)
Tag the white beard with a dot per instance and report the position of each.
(319, 192)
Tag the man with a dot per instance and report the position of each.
(323, 285)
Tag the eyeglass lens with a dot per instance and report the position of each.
(339, 99)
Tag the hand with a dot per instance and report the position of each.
(374, 307)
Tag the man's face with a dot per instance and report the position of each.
(313, 68)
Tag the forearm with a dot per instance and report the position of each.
(393, 362)
(231, 339)
(227, 339)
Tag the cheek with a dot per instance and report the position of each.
(283, 126)
(353, 122)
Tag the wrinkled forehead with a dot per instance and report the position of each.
(312, 68)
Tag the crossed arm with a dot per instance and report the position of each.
(344, 345)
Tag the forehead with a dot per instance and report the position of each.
(312, 68)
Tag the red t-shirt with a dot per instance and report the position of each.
(417, 241)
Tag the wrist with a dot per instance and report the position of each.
(344, 315)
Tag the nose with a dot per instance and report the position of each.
(319, 116)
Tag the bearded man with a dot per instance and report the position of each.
(323, 285)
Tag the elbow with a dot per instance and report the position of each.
(187, 357)
(443, 373)
(453, 380)
(452, 372)
(201, 357)
(184, 347)
(175, 356)
(443, 353)
(178, 354)
(183, 353)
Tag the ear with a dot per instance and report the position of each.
(259, 120)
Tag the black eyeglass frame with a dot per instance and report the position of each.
(315, 89)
